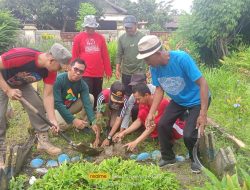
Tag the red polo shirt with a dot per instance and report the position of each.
(143, 113)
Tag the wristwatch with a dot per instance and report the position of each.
(109, 138)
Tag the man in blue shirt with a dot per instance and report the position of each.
(176, 73)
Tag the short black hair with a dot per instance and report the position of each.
(78, 60)
(141, 88)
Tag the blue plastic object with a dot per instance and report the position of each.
(156, 155)
(179, 158)
(143, 156)
(75, 159)
(36, 163)
(88, 159)
(52, 163)
(63, 158)
(133, 156)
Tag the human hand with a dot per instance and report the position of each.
(106, 142)
(149, 121)
(131, 145)
(118, 136)
(14, 94)
(55, 128)
(201, 123)
(96, 142)
(96, 129)
(79, 124)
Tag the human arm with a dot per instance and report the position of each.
(48, 102)
(114, 128)
(156, 101)
(76, 49)
(134, 126)
(106, 59)
(131, 145)
(202, 118)
(14, 94)
(85, 97)
(126, 111)
(118, 59)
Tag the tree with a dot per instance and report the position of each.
(85, 9)
(214, 25)
(8, 30)
(156, 13)
(47, 14)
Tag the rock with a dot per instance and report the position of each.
(133, 156)
(179, 158)
(52, 163)
(75, 159)
(143, 156)
(36, 163)
(63, 158)
(32, 180)
(41, 171)
(156, 155)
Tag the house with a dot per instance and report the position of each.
(112, 17)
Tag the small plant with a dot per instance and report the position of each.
(109, 174)
(112, 49)
(18, 183)
(47, 36)
(227, 182)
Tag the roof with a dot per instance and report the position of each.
(116, 7)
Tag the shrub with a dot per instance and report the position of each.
(18, 183)
(227, 182)
(112, 49)
(85, 9)
(8, 30)
(122, 175)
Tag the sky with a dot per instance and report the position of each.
(182, 5)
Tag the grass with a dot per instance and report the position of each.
(228, 85)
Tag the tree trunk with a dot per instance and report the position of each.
(65, 22)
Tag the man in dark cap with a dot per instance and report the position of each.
(127, 64)
(109, 105)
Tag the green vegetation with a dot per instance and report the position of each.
(112, 49)
(18, 183)
(119, 174)
(227, 183)
(85, 9)
(8, 30)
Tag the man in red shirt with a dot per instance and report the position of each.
(19, 67)
(91, 47)
(143, 96)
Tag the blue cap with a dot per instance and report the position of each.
(129, 21)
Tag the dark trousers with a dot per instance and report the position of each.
(126, 79)
(165, 127)
(95, 86)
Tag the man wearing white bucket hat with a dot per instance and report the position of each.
(91, 47)
(176, 73)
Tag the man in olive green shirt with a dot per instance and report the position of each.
(71, 95)
(127, 64)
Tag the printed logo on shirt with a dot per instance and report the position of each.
(90, 46)
(70, 98)
(172, 85)
(22, 78)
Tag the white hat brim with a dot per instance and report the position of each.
(145, 55)
(90, 26)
